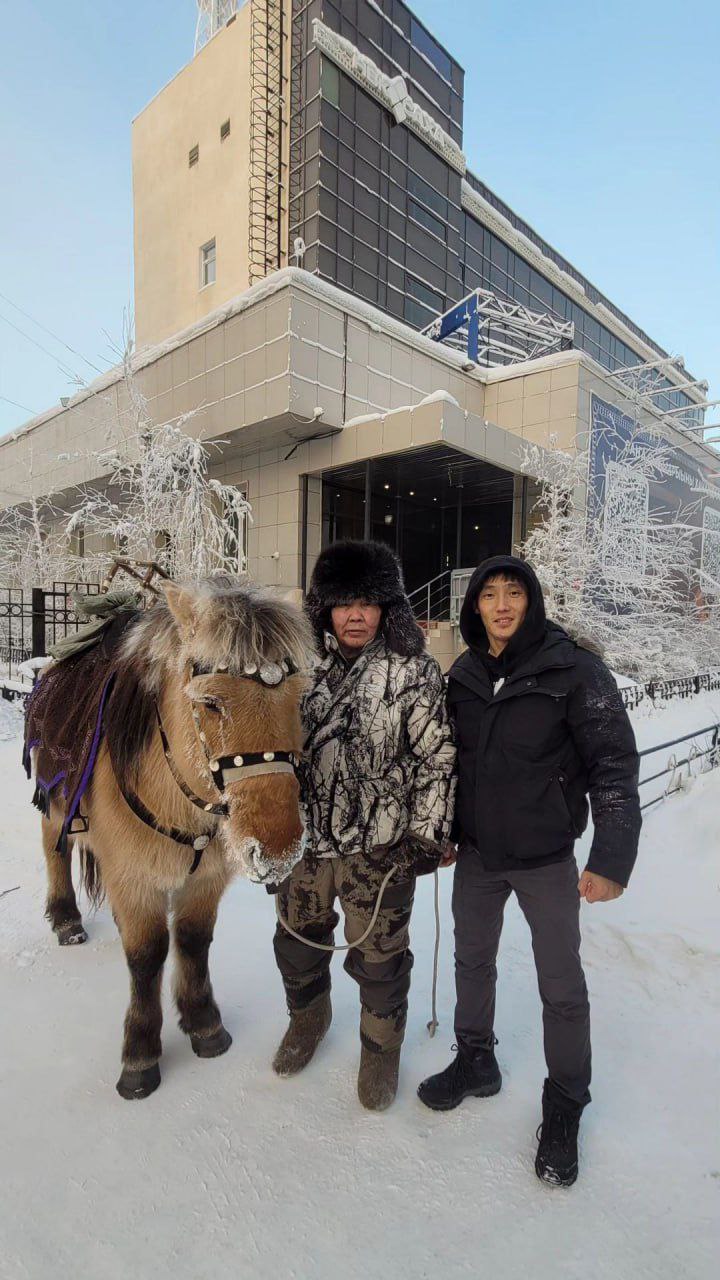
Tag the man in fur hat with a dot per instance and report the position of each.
(377, 786)
(540, 725)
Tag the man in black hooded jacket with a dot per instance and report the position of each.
(539, 726)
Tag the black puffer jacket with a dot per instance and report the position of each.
(530, 754)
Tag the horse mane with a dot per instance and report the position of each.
(238, 625)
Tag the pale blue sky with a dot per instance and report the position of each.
(597, 123)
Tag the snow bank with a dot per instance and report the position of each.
(228, 1171)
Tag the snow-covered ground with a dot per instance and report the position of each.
(228, 1171)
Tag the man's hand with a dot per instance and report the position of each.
(595, 888)
(449, 853)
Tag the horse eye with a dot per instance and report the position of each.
(212, 704)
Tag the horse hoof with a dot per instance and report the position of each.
(211, 1046)
(138, 1084)
(71, 934)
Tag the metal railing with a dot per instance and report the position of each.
(709, 753)
(440, 599)
(31, 621)
(459, 583)
(431, 602)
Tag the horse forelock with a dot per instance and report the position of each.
(236, 625)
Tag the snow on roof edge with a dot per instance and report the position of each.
(272, 284)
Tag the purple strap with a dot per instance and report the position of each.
(90, 762)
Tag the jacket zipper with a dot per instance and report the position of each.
(561, 779)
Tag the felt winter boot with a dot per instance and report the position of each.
(557, 1154)
(306, 1030)
(378, 1078)
(477, 1077)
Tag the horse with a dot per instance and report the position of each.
(193, 782)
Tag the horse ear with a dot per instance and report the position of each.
(181, 605)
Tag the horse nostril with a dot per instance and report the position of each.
(256, 859)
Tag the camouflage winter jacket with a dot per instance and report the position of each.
(379, 756)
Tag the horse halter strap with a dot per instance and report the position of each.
(250, 764)
(223, 770)
(220, 810)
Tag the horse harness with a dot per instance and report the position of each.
(222, 769)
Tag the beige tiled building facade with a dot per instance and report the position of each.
(337, 416)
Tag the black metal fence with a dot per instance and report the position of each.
(31, 621)
(663, 690)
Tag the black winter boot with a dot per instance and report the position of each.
(557, 1156)
(306, 1030)
(477, 1077)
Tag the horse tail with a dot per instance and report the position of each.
(91, 877)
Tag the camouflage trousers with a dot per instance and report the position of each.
(380, 966)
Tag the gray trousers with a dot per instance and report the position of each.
(549, 900)
(381, 965)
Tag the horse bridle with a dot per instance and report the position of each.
(222, 770)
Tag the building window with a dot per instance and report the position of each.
(434, 301)
(207, 264)
(425, 45)
(427, 220)
(417, 186)
(193, 155)
(235, 545)
(330, 82)
(224, 130)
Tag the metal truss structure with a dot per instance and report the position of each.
(268, 176)
(212, 16)
(654, 386)
(495, 331)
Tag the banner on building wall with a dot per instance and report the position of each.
(623, 499)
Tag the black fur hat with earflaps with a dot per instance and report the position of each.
(347, 571)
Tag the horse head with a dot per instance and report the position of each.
(242, 656)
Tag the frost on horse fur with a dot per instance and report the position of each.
(193, 782)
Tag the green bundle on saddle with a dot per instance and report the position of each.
(102, 610)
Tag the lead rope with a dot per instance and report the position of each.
(323, 946)
(433, 1024)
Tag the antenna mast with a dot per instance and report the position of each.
(212, 16)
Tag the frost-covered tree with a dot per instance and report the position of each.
(30, 554)
(623, 574)
(158, 501)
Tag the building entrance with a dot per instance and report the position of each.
(437, 507)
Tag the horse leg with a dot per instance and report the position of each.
(194, 918)
(142, 921)
(61, 908)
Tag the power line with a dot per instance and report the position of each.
(75, 377)
(24, 407)
(50, 333)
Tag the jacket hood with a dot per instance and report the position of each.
(371, 571)
(534, 626)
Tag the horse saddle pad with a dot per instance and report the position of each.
(64, 725)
